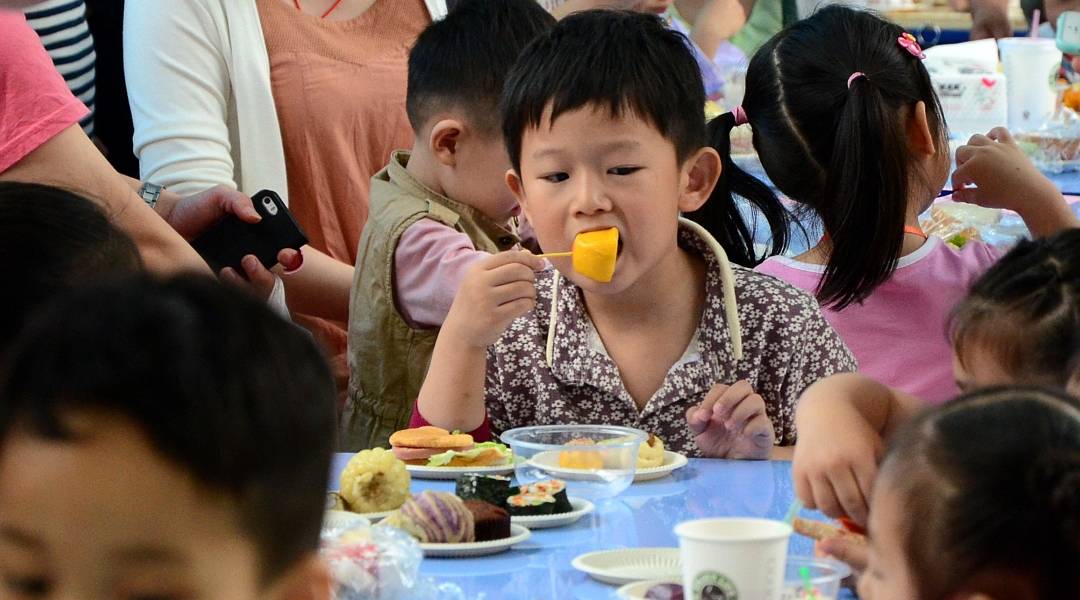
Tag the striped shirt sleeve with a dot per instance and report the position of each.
(61, 25)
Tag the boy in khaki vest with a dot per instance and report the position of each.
(434, 211)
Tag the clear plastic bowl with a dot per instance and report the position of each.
(825, 577)
(602, 469)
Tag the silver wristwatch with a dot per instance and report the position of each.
(149, 192)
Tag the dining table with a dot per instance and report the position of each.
(642, 516)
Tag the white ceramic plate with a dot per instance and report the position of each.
(581, 508)
(631, 564)
(518, 534)
(335, 519)
(549, 461)
(637, 590)
(422, 472)
(672, 461)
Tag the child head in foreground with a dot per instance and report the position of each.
(980, 498)
(52, 240)
(604, 114)
(163, 439)
(1021, 319)
(456, 72)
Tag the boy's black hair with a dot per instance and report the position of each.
(842, 149)
(221, 386)
(51, 240)
(990, 483)
(628, 62)
(462, 60)
(1025, 311)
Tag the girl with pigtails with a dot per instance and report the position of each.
(847, 124)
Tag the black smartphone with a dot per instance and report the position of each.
(229, 240)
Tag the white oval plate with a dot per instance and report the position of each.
(548, 461)
(518, 534)
(581, 506)
(637, 590)
(631, 564)
(422, 472)
(370, 516)
(672, 461)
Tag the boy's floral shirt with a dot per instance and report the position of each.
(787, 345)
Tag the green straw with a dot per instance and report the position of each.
(793, 511)
(804, 571)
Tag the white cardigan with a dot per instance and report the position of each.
(198, 80)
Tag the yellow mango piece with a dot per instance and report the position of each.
(594, 254)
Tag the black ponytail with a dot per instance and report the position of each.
(867, 190)
(837, 143)
(721, 216)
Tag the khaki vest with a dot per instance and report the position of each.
(388, 359)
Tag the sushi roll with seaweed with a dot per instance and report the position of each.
(494, 489)
(551, 487)
(530, 505)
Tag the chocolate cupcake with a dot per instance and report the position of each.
(491, 522)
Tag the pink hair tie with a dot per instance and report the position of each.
(854, 76)
(740, 116)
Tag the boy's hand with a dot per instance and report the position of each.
(1005, 176)
(731, 423)
(495, 291)
(835, 463)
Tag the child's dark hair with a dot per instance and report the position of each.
(462, 60)
(221, 386)
(629, 62)
(1025, 311)
(990, 483)
(51, 240)
(841, 148)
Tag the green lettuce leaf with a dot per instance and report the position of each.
(442, 459)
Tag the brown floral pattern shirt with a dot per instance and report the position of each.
(787, 345)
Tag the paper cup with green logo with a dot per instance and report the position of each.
(733, 558)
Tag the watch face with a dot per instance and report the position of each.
(150, 192)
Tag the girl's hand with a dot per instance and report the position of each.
(495, 291)
(731, 423)
(846, 550)
(835, 461)
(1005, 176)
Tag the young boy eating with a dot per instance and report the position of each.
(603, 122)
(434, 211)
(166, 440)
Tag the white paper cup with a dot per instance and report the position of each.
(733, 558)
(1031, 67)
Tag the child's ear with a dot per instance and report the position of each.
(513, 181)
(920, 140)
(699, 175)
(443, 140)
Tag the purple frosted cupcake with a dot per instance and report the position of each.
(435, 518)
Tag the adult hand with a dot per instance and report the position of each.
(257, 278)
(990, 19)
(731, 422)
(191, 215)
